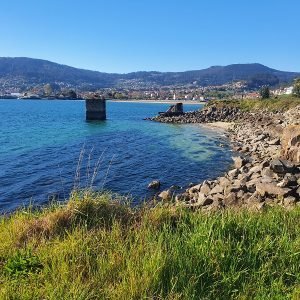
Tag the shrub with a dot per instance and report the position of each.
(22, 264)
(264, 92)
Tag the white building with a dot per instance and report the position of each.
(288, 90)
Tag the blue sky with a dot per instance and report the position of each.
(131, 35)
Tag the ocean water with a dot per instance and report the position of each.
(47, 148)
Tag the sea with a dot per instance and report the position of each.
(48, 149)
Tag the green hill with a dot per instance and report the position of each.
(28, 71)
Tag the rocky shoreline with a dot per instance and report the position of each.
(267, 170)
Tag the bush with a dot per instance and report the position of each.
(22, 264)
(264, 92)
(296, 87)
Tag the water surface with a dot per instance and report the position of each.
(42, 142)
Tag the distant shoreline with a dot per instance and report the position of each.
(189, 102)
(159, 101)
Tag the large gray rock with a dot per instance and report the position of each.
(203, 200)
(155, 184)
(195, 188)
(255, 169)
(184, 197)
(277, 166)
(205, 189)
(218, 189)
(289, 201)
(289, 166)
(238, 162)
(217, 197)
(271, 189)
(281, 166)
(165, 195)
(291, 143)
(275, 141)
(223, 181)
(231, 199)
(268, 172)
(290, 180)
(233, 173)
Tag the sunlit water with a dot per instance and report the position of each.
(41, 142)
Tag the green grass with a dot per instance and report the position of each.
(281, 103)
(96, 248)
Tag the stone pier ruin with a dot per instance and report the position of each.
(174, 110)
(95, 109)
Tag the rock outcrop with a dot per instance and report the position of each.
(207, 114)
(291, 143)
(267, 170)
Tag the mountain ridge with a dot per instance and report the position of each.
(39, 71)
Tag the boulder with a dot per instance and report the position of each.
(255, 169)
(205, 188)
(195, 188)
(289, 166)
(203, 200)
(268, 172)
(206, 201)
(260, 137)
(238, 162)
(290, 180)
(298, 193)
(277, 166)
(265, 164)
(253, 198)
(184, 197)
(288, 201)
(155, 184)
(252, 183)
(165, 195)
(271, 189)
(174, 188)
(223, 181)
(230, 199)
(275, 141)
(217, 197)
(290, 142)
(218, 189)
(233, 173)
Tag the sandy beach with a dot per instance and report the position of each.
(222, 126)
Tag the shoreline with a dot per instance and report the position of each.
(222, 127)
(265, 170)
(189, 102)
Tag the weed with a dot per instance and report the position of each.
(22, 264)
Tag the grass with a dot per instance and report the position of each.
(95, 247)
(281, 103)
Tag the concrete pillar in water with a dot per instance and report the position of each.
(95, 109)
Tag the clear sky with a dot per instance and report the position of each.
(163, 35)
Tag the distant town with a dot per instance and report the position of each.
(28, 78)
(189, 92)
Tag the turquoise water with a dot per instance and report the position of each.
(41, 143)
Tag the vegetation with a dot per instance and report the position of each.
(258, 80)
(280, 103)
(264, 92)
(296, 87)
(28, 72)
(94, 247)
